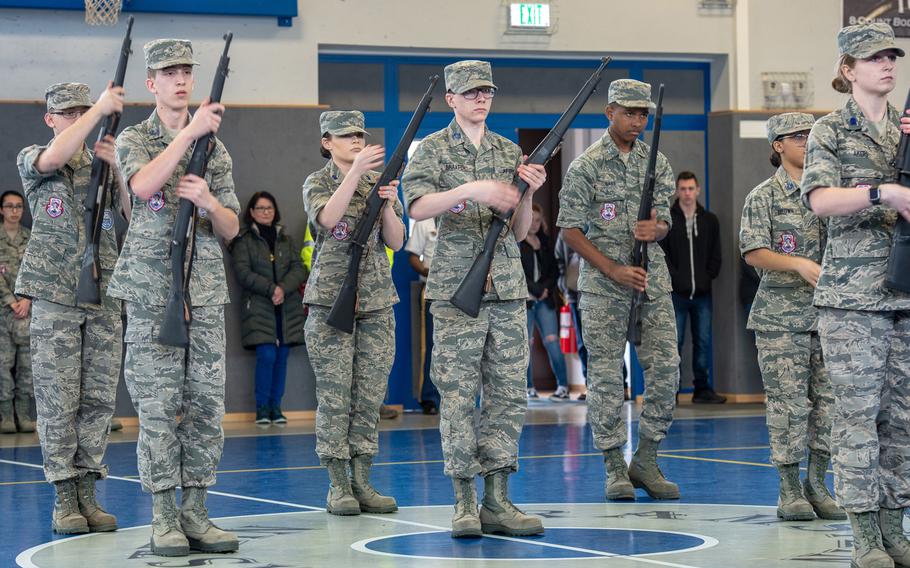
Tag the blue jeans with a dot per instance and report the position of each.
(271, 370)
(699, 308)
(546, 319)
(582, 350)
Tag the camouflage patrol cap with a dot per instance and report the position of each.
(162, 53)
(61, 96)
(630, 94)
(788, 123)
(463, 76)
(865, 40)
(341, 122)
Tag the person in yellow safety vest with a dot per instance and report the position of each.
(306, 252)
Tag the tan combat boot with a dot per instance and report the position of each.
(645, 473)
(816, 491)
(340, 500)
(896, 545)
(23, 406)
(98, 519)
(66, 518)
(791, 504)
(371, 501)
(201, 533)
(167, 536)
(7, 421)
(499, 515)
(617, 486)
(868, 550)
(465, 522)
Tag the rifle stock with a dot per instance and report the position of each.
(640, 249)
(898, 274)
(470, 292)
(88, 290)
(175, 326)
(341, 316)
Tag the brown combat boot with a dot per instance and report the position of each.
(465, 522)
(617, 487)
(201, 533)
(98, 519)
(791, 503)
(66, 518)
(645, 473)
(894, 542)
(167, 535)
(499, 515)
(371, 501)
(23, 406)
(815, 489)
(868, 550)
(340, 499)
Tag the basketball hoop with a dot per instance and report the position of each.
(102, 12)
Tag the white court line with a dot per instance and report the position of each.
(392, 520)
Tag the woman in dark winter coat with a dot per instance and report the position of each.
(267, 264)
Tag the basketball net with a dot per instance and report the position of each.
(102, 12)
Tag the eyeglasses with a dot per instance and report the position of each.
(487, 92)
(12, 206)
(264, 209)
(69, 114)
(800, 138)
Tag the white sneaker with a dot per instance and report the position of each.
(561, 395)
(532, 393)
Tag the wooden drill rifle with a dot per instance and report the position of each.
(470, 292)
(88, 290)
(640, 249)
(175, 329)
(341, 317)
(898, 275)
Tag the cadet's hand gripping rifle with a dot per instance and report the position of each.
(342, 315)
(640, 249)
(88, 290)
(470, 292)
(175, 327)
(898, 275)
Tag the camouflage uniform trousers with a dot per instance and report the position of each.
(76, 361)
(800, 400)
(352, 375)
(488, 353)
(166, 382)
(868, 358)
(604, 325)
(15, 351)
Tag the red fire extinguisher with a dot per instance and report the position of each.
(567, 341)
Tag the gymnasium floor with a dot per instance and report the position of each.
(271, 490)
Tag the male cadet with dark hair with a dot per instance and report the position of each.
(165, 381)
(14, 321)
(459, 175)
(76, 348)
(599, 205)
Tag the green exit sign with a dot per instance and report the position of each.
(529, 16)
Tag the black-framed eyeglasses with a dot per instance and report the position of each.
(69, 114)
(13, 206)
(800, 137)
(487, 92)
(264, 208)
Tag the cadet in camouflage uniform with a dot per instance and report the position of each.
(352, 370)
(14, 321)
(599, 204)
(456, 175)
(784, 240)
(864, 326)
(166, 382)
(76, 348)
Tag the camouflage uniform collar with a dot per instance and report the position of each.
(156, 129)
(457, 136)
(853, 118)
(787, 183)
(613, 150)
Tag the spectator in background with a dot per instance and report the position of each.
(542, 273)
(420, 246)
(568, 263)
(270, 271)
(692, 250)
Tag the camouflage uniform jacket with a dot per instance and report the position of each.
(842, 153)
(143, 272)
(445, 160)
(11, 252)
(53, 257)
(775, 218)
(332, 253)
(600, 196)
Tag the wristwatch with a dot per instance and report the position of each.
(875, 196)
